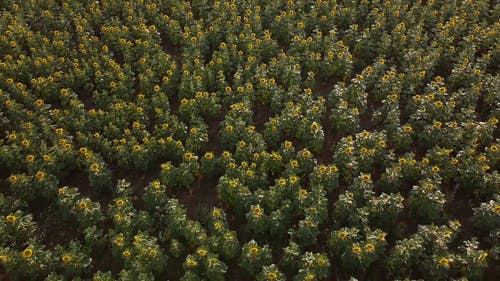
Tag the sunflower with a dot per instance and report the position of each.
(314, 127)
(188, 156)
(302, 193)
(10, 218)
(39, 102)
(25, 143)
(30, 158)
(83, 205)
(40, 175)
(444, 262)
(257, 211)
(306, 154)
(254, 251)
(13, 178)
(118, 241)
(366, 178)
(216, 213)
(343, 235)
(356, 249)
(370, 247)
(27, 253)
(94, 167)
(191, 263)
(120, 202)
(281, 182)
(66, 258)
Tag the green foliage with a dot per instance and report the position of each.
(254, 257)
(206, 140)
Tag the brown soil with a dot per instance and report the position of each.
(201, 197)
(3, 275)
(262, 113)
(214, 134)
(80, 180)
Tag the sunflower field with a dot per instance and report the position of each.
(242, 140)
